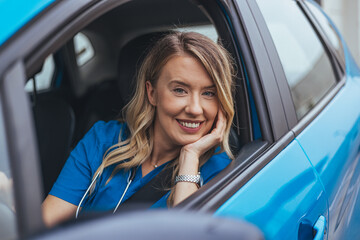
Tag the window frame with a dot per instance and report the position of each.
(8, 215)
(22, 149)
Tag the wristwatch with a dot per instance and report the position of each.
(189, 178)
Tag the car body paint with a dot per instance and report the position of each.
(15, 14)
(332, 143)
(284, 191)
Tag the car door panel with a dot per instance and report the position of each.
(281, 196)
(331, 142)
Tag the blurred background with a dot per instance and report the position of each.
(346, 16)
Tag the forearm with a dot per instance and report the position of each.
(56, 210)
(188, 165)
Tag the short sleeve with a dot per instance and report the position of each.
(83, 161)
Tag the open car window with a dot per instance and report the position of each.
(91, 77)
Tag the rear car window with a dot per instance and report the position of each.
(305, 62)
(328, 29)
(43, 79)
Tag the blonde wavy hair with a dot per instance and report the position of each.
(139, 114)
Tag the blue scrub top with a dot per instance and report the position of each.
(84, 160)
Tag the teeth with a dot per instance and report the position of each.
(190, 125)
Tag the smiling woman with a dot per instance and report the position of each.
(180, 114)
(185, 101)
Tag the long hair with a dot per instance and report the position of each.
(140, 114)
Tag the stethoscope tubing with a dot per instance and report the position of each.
(131, 177)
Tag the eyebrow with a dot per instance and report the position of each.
(188, 85)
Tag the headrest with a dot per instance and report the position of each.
(130, 59)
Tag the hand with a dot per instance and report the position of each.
(189, 158)
(210, 140)
(190, 153)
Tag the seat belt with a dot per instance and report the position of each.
(151, 192)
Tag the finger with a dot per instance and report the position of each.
(222, 123)
(222, 119)
(218, 122)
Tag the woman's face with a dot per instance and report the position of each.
(186, 102)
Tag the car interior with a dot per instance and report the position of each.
(91, 77)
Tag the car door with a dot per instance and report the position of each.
(324, 99)
(332, 139)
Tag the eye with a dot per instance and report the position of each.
(209, 94)
(179, 91)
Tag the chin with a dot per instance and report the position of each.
(188, 140)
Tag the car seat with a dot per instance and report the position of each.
(54, 122)
(130, 58)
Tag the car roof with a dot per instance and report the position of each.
(15, 14)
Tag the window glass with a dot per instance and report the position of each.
(328, 30)
(306, 65)
(83, 49)
(7, 207)
(43, 79)
(207, 30)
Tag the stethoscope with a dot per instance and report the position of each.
(130, 178)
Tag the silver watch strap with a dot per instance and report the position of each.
(188, 178)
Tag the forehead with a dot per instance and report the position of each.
(187, 69)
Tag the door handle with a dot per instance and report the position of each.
(319, 228)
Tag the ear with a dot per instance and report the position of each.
(151, 93)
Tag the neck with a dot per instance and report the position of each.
(161, 155)
(162, 151)
(158, 157)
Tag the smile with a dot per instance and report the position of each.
(189, 124)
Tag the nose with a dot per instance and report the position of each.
(194, 106)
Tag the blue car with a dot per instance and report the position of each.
(65, 65)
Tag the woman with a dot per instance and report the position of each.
(181, 112)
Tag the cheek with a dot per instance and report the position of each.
(170, 105)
